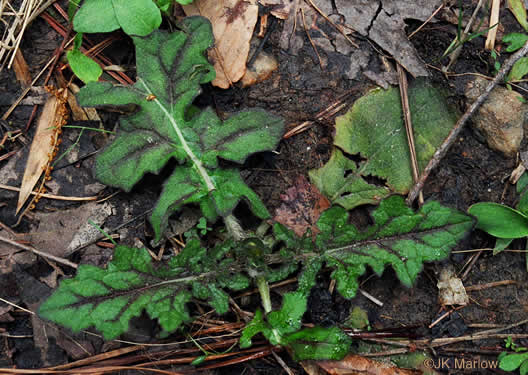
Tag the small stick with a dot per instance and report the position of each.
(15, 305)
(282, 363)
(370, 297)
(404, 95)
(38, 252)
(489, 285)
(52, 196)
(455, 132)
(311, 41)
(426, 21)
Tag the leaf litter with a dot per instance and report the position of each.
(233, 23)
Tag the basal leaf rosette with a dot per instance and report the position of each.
(170, 68)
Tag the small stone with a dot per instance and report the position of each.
(451, 291)
(500, 119)
(264, 65)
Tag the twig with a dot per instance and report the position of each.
(15, 305)
(386, 353)
(282, 363)
(490, 285)
(470, 265)
(454, 133)
(262, 43)
(329, 111)
(99, 357)
(404, 95)
(52, 196)
(311, 41)
(38, 252)
(442, 317)
(370, 297)
(426, 21)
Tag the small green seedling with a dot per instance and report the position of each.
(461, 36)
(496, 62)
(513, 361)
(135, 17)
(82, 66)
(202, 225)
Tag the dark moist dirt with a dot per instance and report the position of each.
(470, 173)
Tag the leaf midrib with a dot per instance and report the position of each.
(199, 166)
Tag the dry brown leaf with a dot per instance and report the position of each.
(356, 364)
(21, 69)
(60, 236)
(43, 145)
(279, 8)
(302, 205)
(233, 23)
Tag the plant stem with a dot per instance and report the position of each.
(264, 292)
(234, 228)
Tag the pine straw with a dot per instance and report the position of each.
(15, 22)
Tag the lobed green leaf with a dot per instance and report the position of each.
(399, 237)
(108, 298)
(171, 67)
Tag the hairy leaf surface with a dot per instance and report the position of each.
(108, 298)
(399, 237)
(171, 67)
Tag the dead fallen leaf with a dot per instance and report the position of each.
(233, 22)
(279, 8)
(43, 145)
(356, 364)
(21, 69)
(302, 205)
(384, 23)
(63, 231)
(380, 21)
